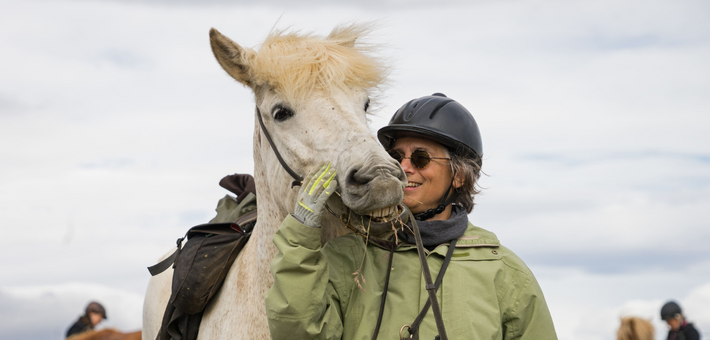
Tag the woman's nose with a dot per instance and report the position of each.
(407, 166)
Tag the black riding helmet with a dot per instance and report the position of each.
(441, 119)
(436, 117)
(669, 310)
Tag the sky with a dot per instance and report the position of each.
(117, 123)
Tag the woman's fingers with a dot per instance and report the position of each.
(320, 184)
(308, 180)
(321, 177)
(328, 188)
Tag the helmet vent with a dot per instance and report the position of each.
(438, 107)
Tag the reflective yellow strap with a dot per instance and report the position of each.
(327, 183)
(305, 206)
(317, 181)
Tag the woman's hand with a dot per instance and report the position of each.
(313, 195)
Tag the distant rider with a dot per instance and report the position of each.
(94, 314)
(680, 329)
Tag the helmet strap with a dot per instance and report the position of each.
(445, 201)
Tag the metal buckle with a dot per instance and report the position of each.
(409, 328)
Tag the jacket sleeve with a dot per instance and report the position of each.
(529, 318)
(302, 303)
(691, 333)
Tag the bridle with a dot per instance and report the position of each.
(297, 179)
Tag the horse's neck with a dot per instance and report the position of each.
(269, 217)
(270, 193)
(274, 195)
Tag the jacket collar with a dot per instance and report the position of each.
(472, 237)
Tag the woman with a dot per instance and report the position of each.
(93, 315)
(678, 327)
(486, 291)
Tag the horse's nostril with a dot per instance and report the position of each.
(357, 179)
(365, 175)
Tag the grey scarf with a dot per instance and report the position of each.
(437, 232)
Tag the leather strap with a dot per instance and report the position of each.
(430, 287)
(414, 328)
(298, 179)
(246, 218)
(384, 294)
(163, 265)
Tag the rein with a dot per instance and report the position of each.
(414, 328)
(298, 179)
(430, 286)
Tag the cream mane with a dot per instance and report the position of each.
(633, 328)
(296, 64)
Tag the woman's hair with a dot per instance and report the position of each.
(633, 328)
(469, 167)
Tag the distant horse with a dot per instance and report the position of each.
(633, 328)
(106, 334)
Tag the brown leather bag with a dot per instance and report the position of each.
(202, 262)
(200, 268)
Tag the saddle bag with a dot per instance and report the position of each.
(200, 268)
(201, 262)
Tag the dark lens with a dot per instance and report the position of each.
(420, 158)
(396, 155)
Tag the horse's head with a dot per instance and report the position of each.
(634, 328)
(313, 95)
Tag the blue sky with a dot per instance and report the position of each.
(116, 124)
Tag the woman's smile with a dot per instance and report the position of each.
(411, 186)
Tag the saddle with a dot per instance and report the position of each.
(203, 258)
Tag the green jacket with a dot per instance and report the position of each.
(228, 210)
(487, 291)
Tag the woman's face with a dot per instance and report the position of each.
(427, 185)
(95, 318)
(673, 324)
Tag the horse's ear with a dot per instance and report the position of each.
(232, 57)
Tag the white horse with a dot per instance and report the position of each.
(312, 94)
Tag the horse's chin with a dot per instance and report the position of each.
(380, 224)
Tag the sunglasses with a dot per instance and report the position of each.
(419, 158)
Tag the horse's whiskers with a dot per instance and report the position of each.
(418, 202)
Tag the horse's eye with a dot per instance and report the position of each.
(281, 113)
(367, 105)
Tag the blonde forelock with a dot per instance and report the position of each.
(295, 64)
